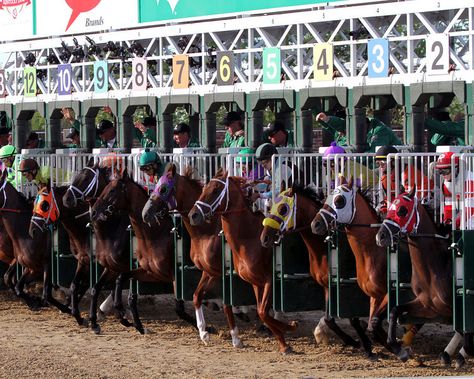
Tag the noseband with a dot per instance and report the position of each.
(216, 203)
(330, 216)
(93, 186)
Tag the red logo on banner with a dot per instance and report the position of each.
(14, 7)
(78, 7)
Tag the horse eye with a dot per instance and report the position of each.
(44, 206)
(402, 212)
(283, 209)
(340, 202)
(163, 190)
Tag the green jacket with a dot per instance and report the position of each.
(337, 126)
(444, 130)
(12, 173)
(103, 144)
(234, 141)
(147, 139)
(192, 143)
(43, 177)
(380, 134)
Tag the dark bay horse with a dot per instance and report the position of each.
(32, 253)
(293, 211)
(111, 236)
(155, 242)
(349, 207)
(431, 279)
(175, 191)
(7, 256)
(47, 211)
(242, 229)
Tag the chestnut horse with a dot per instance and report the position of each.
(175, 191)
(32, 253)
(349, 207)
(431, 260)
(7, 256)
(155, 243)
(293, 211)
(242, 229)
(48, 210)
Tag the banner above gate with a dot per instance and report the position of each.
(16, 19)
(59, 17)
(165, 10)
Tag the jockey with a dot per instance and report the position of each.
(452, 190)
(7, 156)
(150, 163)
(247, 168)
(41, 176)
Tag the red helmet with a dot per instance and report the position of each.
(444, 160)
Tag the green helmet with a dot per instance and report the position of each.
(7, 151)
(243, 156)
(149, 157)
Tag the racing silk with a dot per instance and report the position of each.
(282, 178)
(452, 192)
(362, 175)
(410, 176)
(43, 177)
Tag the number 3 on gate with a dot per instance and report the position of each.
(101, 77)
(378, 57)
(323, 65)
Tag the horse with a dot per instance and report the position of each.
(348, 206)
(7, 256)
(32, 253)
(155, 243)
(242, 229)
(47, 211)
(111, 236)
(298, 206)
(175, 191)
(431, 279)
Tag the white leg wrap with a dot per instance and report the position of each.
(453, 344)
(236, 342)
(201, 324)
(108, 305)
(463, 353)
(321, 332)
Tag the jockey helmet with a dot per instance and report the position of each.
(243, 156)
(7, 151)
(149, 157)
(332, 150)
(383, 151)
(265, 151)
(28, 165)
(444, 160)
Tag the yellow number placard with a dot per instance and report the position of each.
(323, 61)
(181, 71)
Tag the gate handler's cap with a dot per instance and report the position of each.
(73, 133)
(383, 151)
(231, 117)
(4, 131)
(149, 121)
(7, 151)
(28, 165)
(274, 128)
(181, 128)
(103, 125)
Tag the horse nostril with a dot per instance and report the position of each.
(94, 213)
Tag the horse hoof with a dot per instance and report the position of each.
(126, 323)
(320, 336)
(96, 329)
(372, 357)
(84, 323)
(147, 331)
(204, 337)
(460, 362)
(141, 331)
(445, 358)
(211, 330)
(287, 351)
(293, 325)
(237, 343)
(101, 315)
(403, 355)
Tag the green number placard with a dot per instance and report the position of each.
(29, 74)
(271, 65)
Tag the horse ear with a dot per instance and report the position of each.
(90, 162)
(342, 179)
(125, 175)
(351, 182)
(412, 192)
(170, 170)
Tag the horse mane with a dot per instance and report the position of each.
(365, 193)
(309, 192)
(190, 173)
(143, 190)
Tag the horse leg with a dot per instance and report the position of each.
(197, 301)
(9, 276)
(75, 289)
(448, 352)
(33, 302)
(48, 290)
(364, 340)
(466, 350)
(106, 276)
(181, 312)
(118, 303)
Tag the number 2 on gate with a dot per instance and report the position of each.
(323, 61)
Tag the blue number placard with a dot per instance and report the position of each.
(378, 55)
(64, 79)
(101, 77)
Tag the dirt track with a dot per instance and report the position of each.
(49, 344)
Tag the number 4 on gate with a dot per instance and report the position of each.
(323, 61)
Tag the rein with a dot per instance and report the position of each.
(83, 194)
(10, 210)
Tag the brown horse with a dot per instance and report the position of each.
(349, 207)
(32, 253)
(181, 192)
(7, 256)
(155, 243)
(242, 229)
(293, 211)
(74, 221)
(431, 279)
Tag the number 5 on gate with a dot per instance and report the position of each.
(323, 61)
(180, 71)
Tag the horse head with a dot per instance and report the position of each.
(113, 199)
(162, 198)
(45, 212)
(84, 186)
(281, 218)
(338, 207)
(215, 195)
(402, 217)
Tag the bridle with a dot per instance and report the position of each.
(211, 208)
(397, 229)
(93, 186)
(330, 216)
(34, 218)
